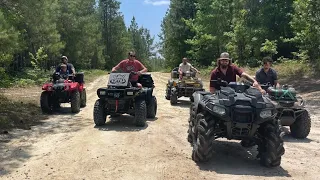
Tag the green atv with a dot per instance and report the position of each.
(184, 87)
(291, 109)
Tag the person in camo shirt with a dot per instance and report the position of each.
(129, 65)
(185, 66)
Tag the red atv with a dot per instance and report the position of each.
(63, 89)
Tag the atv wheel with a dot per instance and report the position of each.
(271, 146)
(83, 96)
(203, 140)
(173, 99)
(301, 127)
(191, 121)
(152, 108)
(140, 116)
(45, 102)
(168, 93)
(99, 115)
(75, 102)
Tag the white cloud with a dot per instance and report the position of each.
(157, 3)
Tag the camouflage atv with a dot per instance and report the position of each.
(236, 111)
(184, 87)
(291, 109)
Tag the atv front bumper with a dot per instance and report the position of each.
(185, 91)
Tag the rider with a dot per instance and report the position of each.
(267, 74)
(129, 65)
(227, 71)
(64, 72)
(70, 67)
(185, 66)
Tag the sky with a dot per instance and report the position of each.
(148, 13)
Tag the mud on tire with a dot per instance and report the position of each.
(45, 102)
(75, 102)
(168, 93)
(271, 146)
(192, 118)
(83, 97)
(203, 139)
(140, 112)
(152, 108)
(301, 127)
(173, 99)
(99, 115)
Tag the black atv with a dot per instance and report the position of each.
(236, 111)
(291, 109)
(121, 96)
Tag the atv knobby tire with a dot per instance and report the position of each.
(168, 93)
(83, 97)
(152, 108)
(203, 140)
(271, 146)
(75, 102)
(192, 118)
(173, 99)
(99, 115)
(301, 127)
(140, 116)
(45, 102)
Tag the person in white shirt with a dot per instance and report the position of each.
(185, 66)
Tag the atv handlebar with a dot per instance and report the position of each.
(220, 82)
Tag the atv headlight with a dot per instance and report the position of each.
(130, 93)
(266, 114)
(219, 110)
(102, 93)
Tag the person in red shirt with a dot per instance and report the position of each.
(131, 65)
(227, 71)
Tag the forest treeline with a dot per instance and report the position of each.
(34, 34)
(247, 29)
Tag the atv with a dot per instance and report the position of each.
(186, 86)
(291, 109)
(235, 111)
(63, 89)
(120, 97)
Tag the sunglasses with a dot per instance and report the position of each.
(132, 56)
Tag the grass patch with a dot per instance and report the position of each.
(91, 75)
(16, 114)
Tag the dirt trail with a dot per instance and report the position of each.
(71, 147)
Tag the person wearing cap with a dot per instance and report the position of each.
(227, 71)
(185, 66)
(267, 74)
(70, 67)
(131, 65)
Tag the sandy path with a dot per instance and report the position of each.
(71, 147)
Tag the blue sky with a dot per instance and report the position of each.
(148, 13)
